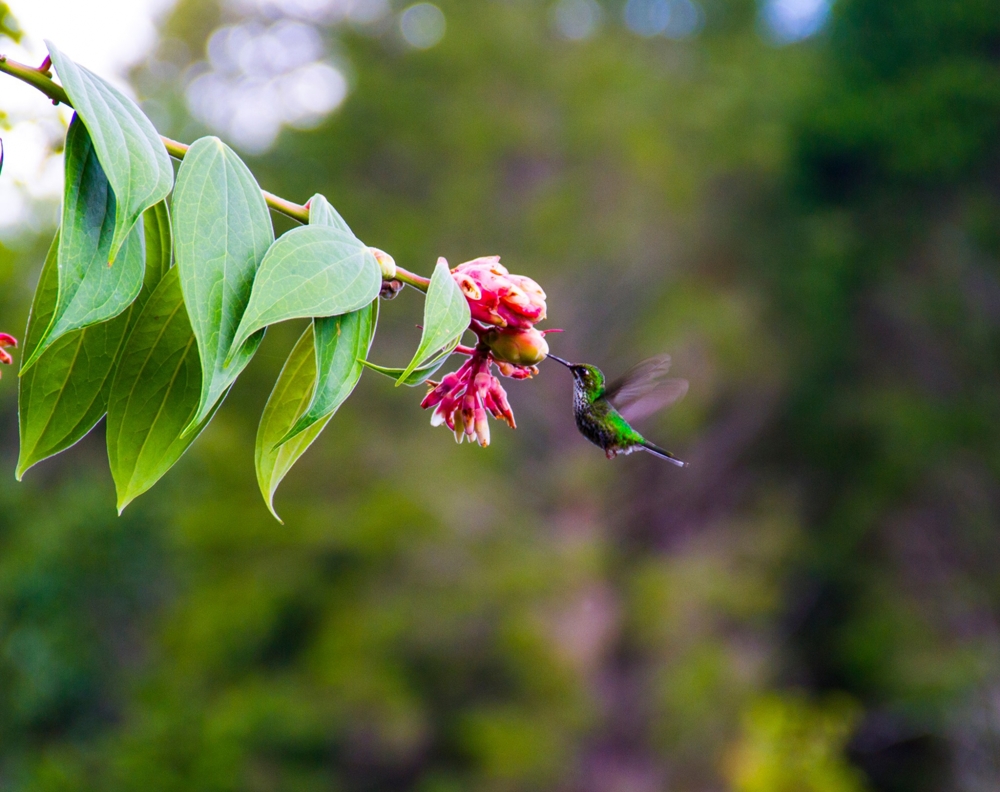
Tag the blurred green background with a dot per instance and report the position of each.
(807, 218)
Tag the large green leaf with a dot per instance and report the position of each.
(341, 344)
(154, 394)
(127, 145)
(321, 213)
(310, 271)
(89, 290)
(66, 392)
(221, 232)
(446, 317)
(290, 398)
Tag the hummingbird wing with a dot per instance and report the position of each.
(666, 393)
(644, 389)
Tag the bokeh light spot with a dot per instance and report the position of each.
(259, 78)
(647, 17)
(576, 19)
(422, 25)
(686, 19)
(787, 21)
(320, 11)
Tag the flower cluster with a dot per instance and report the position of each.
(6, 341)
(462, 399)
(498, 298)
(504, 310)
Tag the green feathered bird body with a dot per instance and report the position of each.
(599, 421)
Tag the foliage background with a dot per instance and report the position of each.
(812, 231)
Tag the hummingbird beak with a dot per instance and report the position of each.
(566, 363)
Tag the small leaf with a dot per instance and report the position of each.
(310, 271)
(289, 399)
(66, 392)
(89, 290)
(341, 344)
(416, 377)
(321, 213)
(221, 232)
(155, 394)
(127, 144)
(446, 318)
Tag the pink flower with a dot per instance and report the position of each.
(6, 341)
(463, 398)
(498, 298)
(504, 310)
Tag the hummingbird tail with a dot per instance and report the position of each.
(661, 453)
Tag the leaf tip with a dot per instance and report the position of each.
(267, 491)
(406, 373)
(282, 441)
(32, 358)
(116, 245)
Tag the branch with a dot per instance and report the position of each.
(34, 78)
(40, 80)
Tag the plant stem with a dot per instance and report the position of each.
(34, 78)
(39, 79)
(177, 150)
(410, 279)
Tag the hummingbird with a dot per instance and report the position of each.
(603, 412)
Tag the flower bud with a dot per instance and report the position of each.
(390, 288)
(385, 262)
(520, 347)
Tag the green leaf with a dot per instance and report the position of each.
(341, 344)
(89, 290)
(446, 317)
(154, 394)
(416, 377)
(338, 341)
(156, 224)
(66, 392)
(310, 271)
(127, 144)
(321, 213)
(221, 232)
(290, 398)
